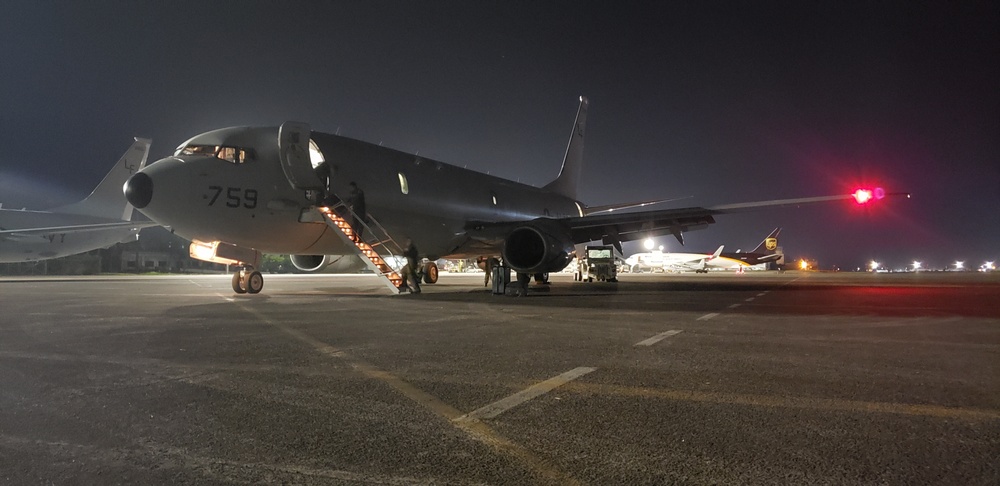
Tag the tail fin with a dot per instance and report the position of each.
(107, 199)
(770, 244)
(717, 252)
(569, 176)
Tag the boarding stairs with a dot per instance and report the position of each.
(377, 254)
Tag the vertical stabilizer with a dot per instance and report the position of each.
(770, 244)
(107, 200)
(569, 176)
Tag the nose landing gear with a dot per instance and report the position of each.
(247, 281)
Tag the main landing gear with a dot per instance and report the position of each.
(247, 281)
(429, 272)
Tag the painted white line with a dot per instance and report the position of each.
(533, 391)
(657, 338)
(761, 294)
(708, 316)
(735, 306)
(749, 299)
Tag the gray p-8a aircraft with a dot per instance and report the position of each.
(238, 192)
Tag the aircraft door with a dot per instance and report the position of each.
(293, 150)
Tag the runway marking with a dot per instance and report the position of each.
(812, 403)
(735, 306)
(657, 338)
(533, 391)
(761, 294)
(473, 427)
(749, 299)
(708, 316)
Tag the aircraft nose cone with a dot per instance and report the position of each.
(139, 190)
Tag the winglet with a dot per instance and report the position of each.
(569, 176)
(107, 200)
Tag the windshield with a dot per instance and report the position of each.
(235, 155)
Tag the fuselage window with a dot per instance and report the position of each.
(494, 195)
(404, 186)
(235, 155)
(315, 154)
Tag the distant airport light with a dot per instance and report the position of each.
(916, 265)
(989, 266)
(862, 196)
(649, 244)
(803, 265)
(959, 265)
(661, 248)
(874, 265)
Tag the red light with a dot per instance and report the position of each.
(862, 196)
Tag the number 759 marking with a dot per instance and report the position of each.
(235, 197)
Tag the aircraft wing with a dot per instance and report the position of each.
(617, 227)
(78, 228)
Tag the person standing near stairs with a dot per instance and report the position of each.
(356, 200)
(409, 270)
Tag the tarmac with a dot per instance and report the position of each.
(761, 378)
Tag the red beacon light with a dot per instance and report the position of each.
(865, 196)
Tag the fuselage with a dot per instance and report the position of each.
(241, 195)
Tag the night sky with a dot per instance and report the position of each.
(720, 102)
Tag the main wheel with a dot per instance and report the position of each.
(430, 273)
(254, 282)
(238, 285)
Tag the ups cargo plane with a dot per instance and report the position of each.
(238, 192)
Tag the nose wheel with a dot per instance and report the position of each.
(247, 281)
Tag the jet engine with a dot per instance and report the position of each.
(327, 263)
(539, 246)
(309, 263)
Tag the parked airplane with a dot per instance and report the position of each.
(237, 192)
(660, 261)
(765, 252)
(100, 220)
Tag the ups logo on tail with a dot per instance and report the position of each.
(771, 244)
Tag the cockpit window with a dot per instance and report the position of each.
(235, 155)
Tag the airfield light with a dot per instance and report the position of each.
(661, 248)
(862, 196)
(959, 265)
(649, 244)
(989, 266)
(916, 265)
(803, 265)
(874, 265)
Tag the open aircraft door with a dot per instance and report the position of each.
(293, 150)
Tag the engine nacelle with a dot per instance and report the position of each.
(327, 263)
(309, 263)
(539, 246)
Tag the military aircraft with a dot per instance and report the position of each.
(100, 220)
(237, 192)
